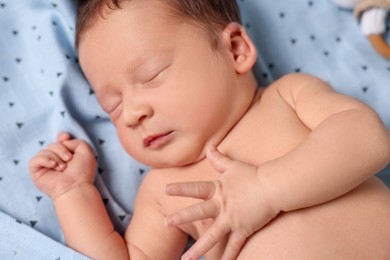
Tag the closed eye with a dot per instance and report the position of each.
(110, 105)
(115, 112)
(156, 75)
(153, 77)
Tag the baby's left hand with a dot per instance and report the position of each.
(235, 200)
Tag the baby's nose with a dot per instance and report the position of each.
(134, 115)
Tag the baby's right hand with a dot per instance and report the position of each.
(63, 165)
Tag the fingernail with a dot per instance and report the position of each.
(66, 156)
(52, 162)
(186, 257)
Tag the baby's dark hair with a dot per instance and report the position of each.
(209, 15)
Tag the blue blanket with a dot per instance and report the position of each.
(43, 91)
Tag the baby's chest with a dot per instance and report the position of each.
(265, 133)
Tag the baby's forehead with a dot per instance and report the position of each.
(150, 10)
(162, 9)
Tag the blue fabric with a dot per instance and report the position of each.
(319, 38)
(20, 242)
(42, 91)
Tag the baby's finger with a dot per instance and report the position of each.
(233, 247)
(63, 136)
(200, 211)
(200, 189)
(209, 239)
(219, 161)
(60, 150)
(51, 156)
(38, 162)
(79, 145)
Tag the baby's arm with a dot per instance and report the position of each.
(147, 234)
(348, 144)
(65, 172)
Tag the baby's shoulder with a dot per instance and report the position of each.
(290, 86)
(295, 81)
(151, 193)
(155, 182)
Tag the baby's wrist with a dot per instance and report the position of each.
(72, 190)
(269, 190)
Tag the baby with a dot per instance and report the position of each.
(287, 169)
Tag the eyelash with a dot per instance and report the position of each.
(114, 112)
(156, 75)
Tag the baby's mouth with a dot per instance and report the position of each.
(156, 141)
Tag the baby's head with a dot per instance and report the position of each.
(168, 91)
(210, 15)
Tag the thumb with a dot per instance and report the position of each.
(219, 161)
(77, 144)
(63, 136)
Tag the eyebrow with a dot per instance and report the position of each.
(136, 64)
(144, 58)
(139, 61)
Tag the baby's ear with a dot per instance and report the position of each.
(238, 42)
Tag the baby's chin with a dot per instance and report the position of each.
(170, 161)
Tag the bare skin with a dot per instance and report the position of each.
(354, 226)
(299, 182)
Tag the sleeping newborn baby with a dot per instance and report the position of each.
(279, 172)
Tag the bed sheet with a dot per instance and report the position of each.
(42, 91)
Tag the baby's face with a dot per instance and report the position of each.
(169, 94)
